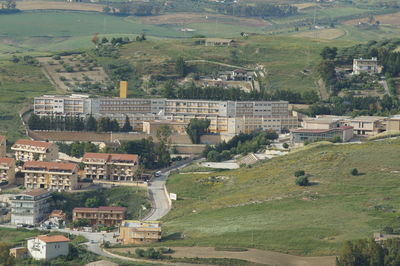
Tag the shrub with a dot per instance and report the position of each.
(354, 172)
(285, 145)
(299, 173)
(56, 57)
(302, 181)
(388, 230)
(139, 252)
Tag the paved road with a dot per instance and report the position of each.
(161, 203)
(385, 86)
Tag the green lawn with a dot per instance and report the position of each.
(19, 83)
(16, 236)
(262, 207)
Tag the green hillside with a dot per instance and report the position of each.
(262, 207)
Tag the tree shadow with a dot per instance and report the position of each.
(173, 236)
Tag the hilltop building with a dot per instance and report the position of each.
(111, 167)
(30, 150)
(139, 232)
(104, 215)
(369, 66)
(30, 207)
(7, 170)
(50, 175)
(219, 42)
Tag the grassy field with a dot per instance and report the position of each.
(19, 83)
(262, 207)
(13, 236)
(284, 58)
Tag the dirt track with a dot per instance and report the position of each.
(47, 5)
(253, 255)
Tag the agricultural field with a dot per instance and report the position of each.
(324, 34)
(261, 207)
(19, 83)
(75, 73)
(284, 58)
(14, 236)
(50, 5)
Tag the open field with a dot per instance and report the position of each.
(284, 58)
(387, 19)
(262, 208)
(85, 72)
(50, 5)
(14, 236)
(19, 83)
(325, 34)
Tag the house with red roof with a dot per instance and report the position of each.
(31, 150)
(45, 247)
(110, 166)
(103, 215)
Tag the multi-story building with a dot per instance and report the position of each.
(73, 105)
(30, 150)
(139, 232)
(369, 66)
(48, 247)
(3, 146)
(7, 170)
(104, 215)
(30, 207)
(250, 115)
(50, 175)
(367, 125)
(111, 167)
(300, 135)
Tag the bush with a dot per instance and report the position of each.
(299, 173)
(302, 181)
(354, 172)
(56, 57)
(388, 230)
(139, 252)
(285, 145)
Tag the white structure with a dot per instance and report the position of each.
(31, 150)
(30, 207)
(48, 247)
(369, 66)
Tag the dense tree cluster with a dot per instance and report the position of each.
(368, 252)
(263, 10)
(196, 128)
(76, 123)
(239, 144)
(77, 148)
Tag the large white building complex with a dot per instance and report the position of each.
(227, 117)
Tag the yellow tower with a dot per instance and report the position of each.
(123, 89)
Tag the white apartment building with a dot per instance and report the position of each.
(30, 150)
(7, 170)
(53, 176)
(369, 66)
(48, 247)
(75, 104)
(30, 207)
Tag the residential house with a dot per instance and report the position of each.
(104, 215)
(300, 135)
(369, 66)
(50, 175)
(31, 207)
(236, 75)
(7, 170)
(219, 42)
(30, 150)
(139, 232)
(48, 247)
(3, 146)
(110, 167)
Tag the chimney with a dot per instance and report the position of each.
(123, 89)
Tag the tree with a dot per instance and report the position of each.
(354, 171)
(163, 134)
(196, 128)
(95, 39)
(168, 90)
(91, 124)
(92, 202)
(285, 145)
(299, 173)
(302, 181)
(106, 9)
(329, 53)
(34, 122)
(5, 258)
(127, 125)
(180, 67)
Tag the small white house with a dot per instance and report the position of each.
(48, 247)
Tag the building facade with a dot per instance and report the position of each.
(3, 146)
(110, 167)
(369, 66)
(139, 232)
(30, 150)
(365, 126)
(50, 175)
(73, 105)
(108, 216)
(48, 247)
(7, 170)
(30, 207)
(345, 133)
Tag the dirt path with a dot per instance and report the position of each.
(216, 63)
(253, 255)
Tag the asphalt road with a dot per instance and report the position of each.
(160, 201)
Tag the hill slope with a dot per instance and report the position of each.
(262, 207)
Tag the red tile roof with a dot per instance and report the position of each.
(36, 192)
(305, 130)
(8, 161)
(124, 157)
(33, 143)
(92, 155)
(101, 208)
(52, 239)
(51, 166)
(85, 209)
(111, 156)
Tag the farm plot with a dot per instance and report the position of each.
(76, 73)
(48, 5)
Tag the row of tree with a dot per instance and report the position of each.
(239, 144)
(263, 10)
(76, 123)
